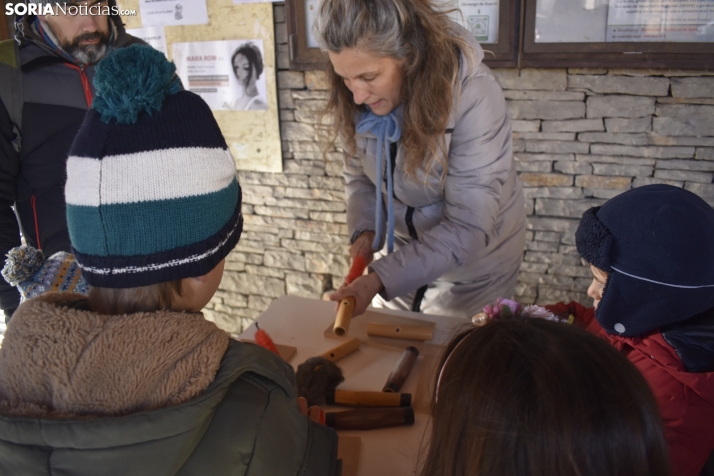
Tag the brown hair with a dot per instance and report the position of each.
(119, 301)
(539, 398)
(419, 34)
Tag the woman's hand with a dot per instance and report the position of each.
(363, 289)
(363, 246)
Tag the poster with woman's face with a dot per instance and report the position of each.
(228, 75)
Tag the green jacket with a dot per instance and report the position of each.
(245, 423)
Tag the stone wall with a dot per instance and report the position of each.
(580, 137)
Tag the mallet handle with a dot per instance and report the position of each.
(401, 370)
(367, 398)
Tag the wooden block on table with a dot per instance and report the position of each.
(358, 328)
(348, 448)
(398, 331)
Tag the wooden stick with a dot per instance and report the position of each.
(342, 350)
(370, 418)
(367, 399)
(401, 370)
(376, 329)
(344, 315)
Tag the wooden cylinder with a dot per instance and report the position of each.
(342, 350)
(401, 370)
(367, 399)
(370, 418)
(344, 314)
(376, 329)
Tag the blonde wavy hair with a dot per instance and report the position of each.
(417, 32)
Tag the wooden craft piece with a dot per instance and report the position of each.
(365, 398)
(342, 350)
(401, 370)
(421, 333)
(358, 329)
(344, 315)
(348, 448)
(369, 418)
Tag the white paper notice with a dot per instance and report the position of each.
(480, 17)
(311, 9)
(228, 75)
(660, 20)
(173, 12)
(153, 35)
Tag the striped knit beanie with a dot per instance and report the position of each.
(152, 194)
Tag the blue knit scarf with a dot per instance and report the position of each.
(388, 130)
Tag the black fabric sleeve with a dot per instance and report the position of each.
(9, 228)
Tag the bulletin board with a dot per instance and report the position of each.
(252, 136)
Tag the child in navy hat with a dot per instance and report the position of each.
(651, 253)
(133, 379)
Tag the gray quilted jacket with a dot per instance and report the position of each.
(469, 233)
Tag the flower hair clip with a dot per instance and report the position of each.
(505, 308)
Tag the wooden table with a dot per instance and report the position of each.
(302, 322)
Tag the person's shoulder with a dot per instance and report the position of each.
(245, 359)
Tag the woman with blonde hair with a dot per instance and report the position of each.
(429, 171)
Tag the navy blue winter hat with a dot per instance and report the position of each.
(151, 192)
(657, 244)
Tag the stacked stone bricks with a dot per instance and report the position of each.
(580, 136)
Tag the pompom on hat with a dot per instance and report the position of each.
(151, 192)
(657, 244)
(27, 269)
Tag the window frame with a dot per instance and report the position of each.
(513, 48)
(653, 55)
(303, 58)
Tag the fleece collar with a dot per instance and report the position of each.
(60, 360)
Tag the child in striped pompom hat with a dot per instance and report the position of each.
(153, 209)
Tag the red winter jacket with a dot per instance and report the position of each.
(686, 399)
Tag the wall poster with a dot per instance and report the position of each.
(173, 12)
(228, 75)
(252, 134)
(480, 17)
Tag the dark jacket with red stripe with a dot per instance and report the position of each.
(56, 96)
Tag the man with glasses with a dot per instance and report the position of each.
(46, 88)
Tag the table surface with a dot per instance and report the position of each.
(302, 322)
